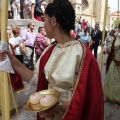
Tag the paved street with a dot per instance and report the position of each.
(111, 112)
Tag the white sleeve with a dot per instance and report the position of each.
(32, 87)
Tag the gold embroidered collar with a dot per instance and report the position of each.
(71, 43)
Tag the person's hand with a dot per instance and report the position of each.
(50, 112)
(3, 55)
(55, 109)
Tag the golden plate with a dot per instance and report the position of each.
(37, 107)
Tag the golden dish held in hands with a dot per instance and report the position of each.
(42, 100)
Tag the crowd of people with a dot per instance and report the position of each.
(26, 43)
(67, 65)
(26, 9)
(88, 35)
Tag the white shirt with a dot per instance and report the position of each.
(15, 41)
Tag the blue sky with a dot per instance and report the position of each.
(113, 4)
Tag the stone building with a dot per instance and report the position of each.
(92, 11)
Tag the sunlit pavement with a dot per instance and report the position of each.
(111, 112)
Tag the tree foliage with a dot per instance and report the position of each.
(116, 23)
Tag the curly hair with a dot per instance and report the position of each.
(64, 13)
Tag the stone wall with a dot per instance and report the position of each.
(23, 24)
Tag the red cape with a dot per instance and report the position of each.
(87, 102)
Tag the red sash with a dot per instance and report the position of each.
(42, 82)
(16, 80)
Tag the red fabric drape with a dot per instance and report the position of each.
(87, 102)
(16, 80)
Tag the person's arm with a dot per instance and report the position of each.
(24, 72)
(32, 11)
(16, 45)
(18, 6)
(45, 43)
(23, 44)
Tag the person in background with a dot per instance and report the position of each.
(78, 36)
(66, 66)
(96, 36)
(9, 10)
(38, 14)
(85, 37)
(112, 80)
(73, 34)
(17, 42)
(78, 26)
(84, 24)
(28, 37)
(108, 41)
(43, 5)
(40, 42)
(28, 11)
(16, 9)
(88, 26)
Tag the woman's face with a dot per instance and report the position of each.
(48, 26)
